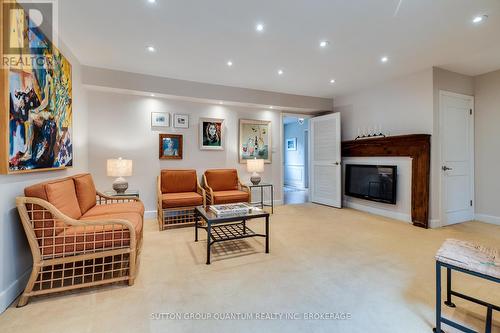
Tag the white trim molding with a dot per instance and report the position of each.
(488, 218)
(377, 211)
(15, 289)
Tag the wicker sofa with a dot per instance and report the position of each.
(78, 236)
(178, 193)
(223, 186)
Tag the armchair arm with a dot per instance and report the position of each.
(245, 188)
(209, 191)
(41, 219)
(103, 199)
(201, 191)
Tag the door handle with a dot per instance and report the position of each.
(445, 168)
(336, 163)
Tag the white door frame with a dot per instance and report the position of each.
(442, 93)
(282, 145)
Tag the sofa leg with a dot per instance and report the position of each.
(23, 300)
(131, 281)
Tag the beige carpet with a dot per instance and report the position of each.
(322, 260)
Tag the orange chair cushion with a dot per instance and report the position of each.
(62, 195)
(222, 179)
(116, 208)
(184, 199)
(85, 191)
(176, 181)
(224, 197)
(78, 238)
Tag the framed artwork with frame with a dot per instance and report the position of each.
(160, 119)
(181, 121)
(170, 147)
(291, 144)
(255, 140)
(211, 134)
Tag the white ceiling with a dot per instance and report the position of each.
(195, 39)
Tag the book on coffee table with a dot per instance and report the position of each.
(232, 209)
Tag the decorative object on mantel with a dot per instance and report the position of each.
(211, 134)
(119, 168)
(255, 140)
(181, 121)
(170, 147)
(159, 119)
(416, 146)
(255, 166)
(367, 133)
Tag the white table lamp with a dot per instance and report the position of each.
(255, 166)
(119, 168)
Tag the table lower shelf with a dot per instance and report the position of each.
(231, 231)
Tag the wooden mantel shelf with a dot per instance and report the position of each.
(415, 146)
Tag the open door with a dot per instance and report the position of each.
(325, 171)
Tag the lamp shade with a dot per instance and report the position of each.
(119, 167)
(255, 165)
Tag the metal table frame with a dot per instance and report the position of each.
(220, 229)
(262, 203)
(449, 292)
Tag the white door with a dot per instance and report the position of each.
(457, 157)
(325, 184)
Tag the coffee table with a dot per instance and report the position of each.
(228, 227)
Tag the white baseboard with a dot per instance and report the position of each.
(436, 223)
(377, 211)
(15, 289)
(488, 218)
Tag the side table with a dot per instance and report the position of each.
(262, 202)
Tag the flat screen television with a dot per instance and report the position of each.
(371, 182)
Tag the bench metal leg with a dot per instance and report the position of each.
(437, 329)
(448, 301)
(489, 319)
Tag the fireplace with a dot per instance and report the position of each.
(371, 182)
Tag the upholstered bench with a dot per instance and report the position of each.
(78, 236)
(470, 259)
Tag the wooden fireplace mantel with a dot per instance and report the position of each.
(415, 146)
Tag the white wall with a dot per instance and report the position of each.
(487, 123)
(295, 164)
(121, 126)
(400, 106)
(15, 255)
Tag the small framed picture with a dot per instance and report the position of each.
(170, 147)
(291, 144)
(181, 121)
(211, 134)
(160, 119)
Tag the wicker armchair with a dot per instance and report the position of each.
(100, 246)
(224, 186)
(178, 193)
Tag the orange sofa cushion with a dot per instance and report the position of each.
(79, 238)
(85, 191)
(184, 199)
(116, 208)
(176, 181)
(224, 197)
(62, 195)
(222, 179)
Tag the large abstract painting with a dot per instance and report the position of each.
(255, 140)
(39, 106)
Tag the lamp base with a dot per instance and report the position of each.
(120, 185)
(255, 179)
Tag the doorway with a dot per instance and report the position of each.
(295, 159)
(456, 118)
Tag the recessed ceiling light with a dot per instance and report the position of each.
(229, 63)
(151, 49)
(324, 43)
(152, 95)
(259, 27)
(479, 19)
(152, 1)
(280, 72)
(221, 102)
(384, 59)
(271, 107)
(332, 81)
